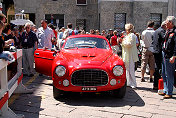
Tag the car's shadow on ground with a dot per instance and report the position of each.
(102, 99)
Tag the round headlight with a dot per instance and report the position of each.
(60, 71)
(118, 70)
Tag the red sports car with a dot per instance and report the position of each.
(85, 63)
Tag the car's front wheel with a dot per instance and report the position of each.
(120, 93)
(57, 93)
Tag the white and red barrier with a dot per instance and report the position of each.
(14, 85)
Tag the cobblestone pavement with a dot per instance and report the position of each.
(142, 102)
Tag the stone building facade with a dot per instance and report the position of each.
(115, 13)
(67, 11)
(98, 14)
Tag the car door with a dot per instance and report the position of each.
(44, 60)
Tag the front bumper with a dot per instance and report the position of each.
(59, 85)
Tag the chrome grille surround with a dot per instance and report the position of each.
(89, 77)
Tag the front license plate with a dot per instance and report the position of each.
(89, 88)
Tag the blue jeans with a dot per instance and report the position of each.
(168, 71)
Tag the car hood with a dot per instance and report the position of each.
(86, 56)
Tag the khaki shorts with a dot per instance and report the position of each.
(147, 58)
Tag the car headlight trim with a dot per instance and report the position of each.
(118, 70)
(60, 71)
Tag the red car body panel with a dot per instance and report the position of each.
(43, 61)
(80, 59)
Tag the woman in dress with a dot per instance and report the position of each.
(129, 54)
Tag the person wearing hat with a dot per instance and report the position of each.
(110, 34)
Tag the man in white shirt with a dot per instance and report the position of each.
(45, 35)
(147, 55)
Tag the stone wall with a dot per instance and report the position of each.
(69, 8)
(137, 12)
(99, 14)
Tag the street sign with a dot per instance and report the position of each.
(57, 21)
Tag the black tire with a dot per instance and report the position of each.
(120, 93)
(57, 93)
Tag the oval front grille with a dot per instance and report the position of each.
(89, 77)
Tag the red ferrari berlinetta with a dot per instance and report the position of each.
(85, 63)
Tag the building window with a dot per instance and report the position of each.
(157, 18)
(81, 24)
(81, 2)
(119, 21)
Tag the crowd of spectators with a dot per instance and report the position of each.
(154, 42)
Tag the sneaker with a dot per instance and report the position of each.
(167, 96)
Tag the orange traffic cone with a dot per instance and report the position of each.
(160, 85)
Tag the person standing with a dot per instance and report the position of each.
(97, 32)
(113, 42)
(45, 36)
(2, 42)
(29, 39)
(169, 53)
(6, 35)
(158, 39)
(110, 34)
(103, 33)
(129, 54)
(60, 35)
(68, 31)
(92, 31)
(76, 30)
(3, 18)
(147, 55)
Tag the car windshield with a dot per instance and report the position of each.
(86, 42)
